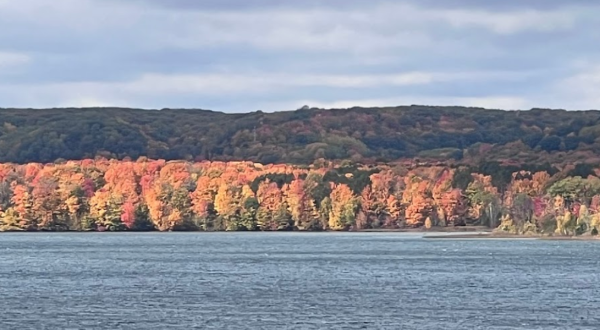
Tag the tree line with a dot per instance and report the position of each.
(111, 195)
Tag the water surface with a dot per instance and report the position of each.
(295, 281)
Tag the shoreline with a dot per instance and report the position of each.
(473, 229)
(464, 229)
(475, 232)
(491, 235)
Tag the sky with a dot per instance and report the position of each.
(270, 55)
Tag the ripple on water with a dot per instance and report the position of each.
(295, 281)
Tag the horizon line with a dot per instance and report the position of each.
(303, 108)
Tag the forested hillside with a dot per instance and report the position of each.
(117, 195)
(419, 133)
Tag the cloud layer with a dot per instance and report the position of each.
(277, 55)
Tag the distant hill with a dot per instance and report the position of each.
(367, 135)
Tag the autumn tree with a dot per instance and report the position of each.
(167, 195)
(228, 207)
(21, 215)
(419, 201)
(344, 205)
(47, 204)
(105, 211)
(485, 204)
(272, 212)
(202, 199)
(522, 209)
(102, 194)
(301, 207)
(374, 198)
(249, 208)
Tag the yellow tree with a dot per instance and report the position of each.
(105, 211)
(74, 192)
(166, 194)
(343, 207)
(228, 207)
(249, 208)
(301, 207)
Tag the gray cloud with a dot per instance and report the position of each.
(508, 4)
(345, 4)
(236, 55)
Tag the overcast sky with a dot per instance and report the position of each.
(246, 55)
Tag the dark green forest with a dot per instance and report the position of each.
(366, 135)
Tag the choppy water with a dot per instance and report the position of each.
(295, 281)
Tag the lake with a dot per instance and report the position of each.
(295, 281)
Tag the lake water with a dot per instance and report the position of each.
(295, 281)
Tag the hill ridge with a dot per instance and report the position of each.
(457, 135)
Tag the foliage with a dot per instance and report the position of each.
(111, 195)
(448, 134)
